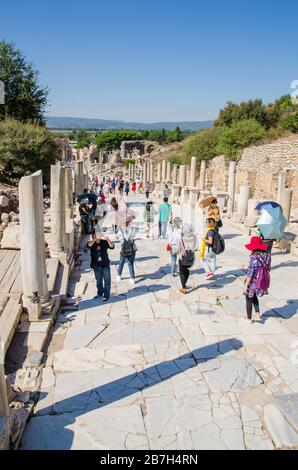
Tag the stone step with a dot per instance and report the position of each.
(9, 319)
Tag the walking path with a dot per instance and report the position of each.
(157, 370)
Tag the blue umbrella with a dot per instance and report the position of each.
(272, 223)
(265, 204)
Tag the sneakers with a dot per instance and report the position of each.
(209, 276)
(118, 278)
(132, 282)
(105, 299)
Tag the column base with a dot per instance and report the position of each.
(185, 195)
(194, 195)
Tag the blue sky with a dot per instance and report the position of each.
(154, 60)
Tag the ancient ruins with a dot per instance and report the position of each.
(40, 241)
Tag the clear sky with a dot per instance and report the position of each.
(154, 60)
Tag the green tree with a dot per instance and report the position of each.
(179, 134)
(127, 163)
(24, 149)
(25, 99)
(177, 160)
(240, 135)
(202, 145)
(111, 140)
(290, 123)
(252, 109)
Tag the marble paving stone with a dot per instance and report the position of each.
(281, 431)
(233, 374)
(78, 337)
(288, 405)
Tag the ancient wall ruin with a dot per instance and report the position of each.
(259, 167)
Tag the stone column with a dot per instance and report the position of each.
(79, 183)
(33, 260)
(231, 187)
(4, 409)
(243, 200)
(182, 176)
(159, 172)
(282, 181)
(202, 175)
(286, 202)
(145, 173)
(164, 171)
(58, 206)
(187, 176)
(169, 168)
(151, 179)
(174, 173)
(193, 172)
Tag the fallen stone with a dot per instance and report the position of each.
(4, 201)
(34, 360)
(281, 431)
(288, 405)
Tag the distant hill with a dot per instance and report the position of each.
(54, 122)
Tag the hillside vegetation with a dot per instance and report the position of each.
(237, 127)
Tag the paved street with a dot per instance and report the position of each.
(154, 369)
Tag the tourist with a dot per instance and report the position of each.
(141, 187)
(165, 190)
(174, 244)
(113, 185)
(165, 216)
(207, 256)
(85, 219)
(149, 214)
(257, 280)
(121, 186)
(100, 263)
(214, 213)
(187, 249)
(114, 207)
(147, 189)
(126, 188)
(128, 252)
(134, 187)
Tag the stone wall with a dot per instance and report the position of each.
(259, 167)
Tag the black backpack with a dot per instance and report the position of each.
(128, 249)
(188, 258)
(218, 245)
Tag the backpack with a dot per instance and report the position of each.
(188, 258)
(263, 278)
(218, 245)
(128, 249)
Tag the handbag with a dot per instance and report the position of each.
(168, 247)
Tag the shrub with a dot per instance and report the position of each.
(240, 135)
(290, 123)
(24, 149)
(203, 145)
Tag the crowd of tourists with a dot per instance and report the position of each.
(106, 208)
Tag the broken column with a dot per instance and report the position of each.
(145, 172)
(33, 259)
(286, 202)
(174, 173)
(79, 182)
(194, 191)
(164, 171)
(158, 180)
(231, 187)
(202, 175)
(169, 169)
(151, 178)
(182, 176)
(58, 206)
(282, 181)
(243, 201)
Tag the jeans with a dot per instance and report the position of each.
(252, 302)
(184, 274)
(174, 264)
(131, 267)
(209, 262)
(163, 229)
(103, 281)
